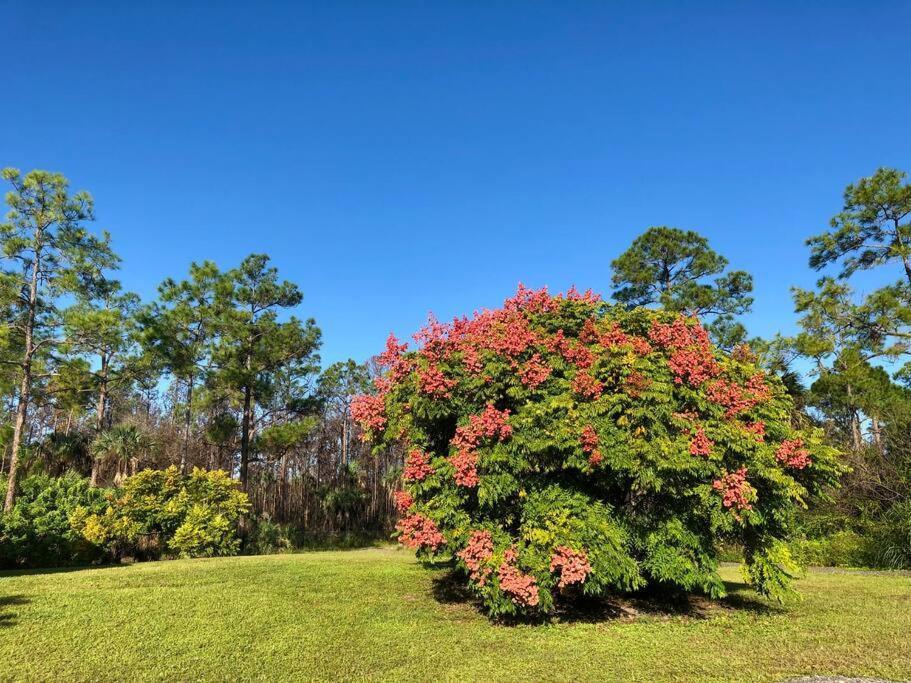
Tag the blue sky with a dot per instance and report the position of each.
(397, 158)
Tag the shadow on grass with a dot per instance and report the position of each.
(59, 570)
(450, 588)
(8, 618)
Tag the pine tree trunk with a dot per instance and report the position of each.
(99, 415)
(245, 435)
(188, 419)
(25, 387)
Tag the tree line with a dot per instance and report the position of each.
(220, 370)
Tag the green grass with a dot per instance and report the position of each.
(377, 614)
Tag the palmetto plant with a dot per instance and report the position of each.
(125, 446)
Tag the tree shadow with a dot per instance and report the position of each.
(738, 598)
(34, 571)
(8, 618)
(449, 588)
(661, 603)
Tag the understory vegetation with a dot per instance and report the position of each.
(203, 423)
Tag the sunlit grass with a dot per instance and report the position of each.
(377, 614)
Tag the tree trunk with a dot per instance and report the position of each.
(901, 246)
(25, 387)
(876, 431)
(855, 421)
(99, 414)
(345, 441)
(21, 414)
(245, 435)
(188, 419)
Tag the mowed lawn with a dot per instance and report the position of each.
(376, 614)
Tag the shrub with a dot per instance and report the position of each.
(268, 537)
(159, 511)
(839, 549)
(893, 537)
(561, 445)
(37, 532)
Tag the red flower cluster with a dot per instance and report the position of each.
(471, 359)
(578, 354)
(679, 334)
(792, 453)
(736, 492)
(417, 531)
(490, 424)
(589, 441)
(693, 366)
(432, 338)
(465, 463)
(391, 358)
(534, 300)
(521, 587)
(701, 444)
(635, 383)
(734, 398)
(478, 551)
(369, 412)
(587, 386)
(758, 429)
(534, 371)
(403, 501)
(691, 358)
(572, 565)
(433, 382)
(573, 294)
(614, 337)
(417, 466)
(505, 331)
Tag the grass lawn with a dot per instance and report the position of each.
(377, 614)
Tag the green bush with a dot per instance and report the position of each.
(839, 549)
(37, 532)
(267, 538)
(560, 445)
(893, 537)
(162, 512)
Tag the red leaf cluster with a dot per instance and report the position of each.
(369, 411)
(792, 453)
(522, 588)
(701, 444)
(403, 501)
(417, 466)
(572, 565)
(736, 491)
(476, 553)
(417, 531)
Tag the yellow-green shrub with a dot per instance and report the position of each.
(164, 511)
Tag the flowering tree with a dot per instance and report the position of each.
(559, 445)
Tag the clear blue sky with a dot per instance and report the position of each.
(397, 158)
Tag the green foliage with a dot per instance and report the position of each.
(560, 445)
(872, 229)
(770, 569)
(259, 357)
(855, 343)
(893, 541)
(163, 511)
(49, 256)
(37, 532)
(677, 270)
(268, 537)
(838, 549)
